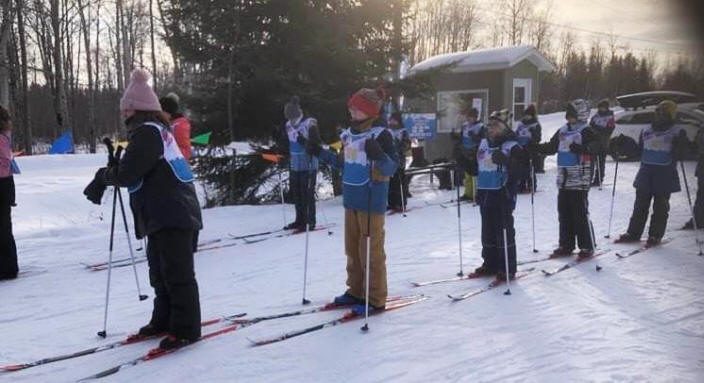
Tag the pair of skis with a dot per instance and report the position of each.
(284, 233)
(234, 322)
(130, 339)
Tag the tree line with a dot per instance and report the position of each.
(65, 63)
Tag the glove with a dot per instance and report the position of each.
(95, 189)
(301, 140)
(313, 149)
(499, 157)
(533, 148)
(109, 175)
(373, 150)
(576, 148)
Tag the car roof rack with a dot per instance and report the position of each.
(645, 99)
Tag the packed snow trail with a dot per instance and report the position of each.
(638, 319)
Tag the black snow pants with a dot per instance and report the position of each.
(171, 274)
(658, 221)
(494, 219)
(573, 214)
(8, 250)
(303, 191)
(397, 185)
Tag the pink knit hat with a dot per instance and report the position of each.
(139, 94)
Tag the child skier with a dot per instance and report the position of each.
(165, 209)
(528, 132)
(8, 249)
(602, 123)
(402, 142)
(300, 132)
(369, 161)
(499, 158)
(573, 142)
(181, 127)
(662, 145)
(473, 131)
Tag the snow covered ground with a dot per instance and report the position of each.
(638, 319)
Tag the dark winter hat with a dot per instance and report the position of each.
(292, 109)
(169, 103)
(571, 111)
(368, 101)
(668, 109)
(577, 109)
(504, 115)
(604, 103)
(471, 112)
(530, 111)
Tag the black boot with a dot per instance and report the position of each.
(172, 342)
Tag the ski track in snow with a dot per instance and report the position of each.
(638, 319)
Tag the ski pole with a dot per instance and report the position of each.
(598, 170)
(127, 231)
(365, 327)
(281, 193)
(459, 218)
(691, 208)
(305, 301)
(129, 245)
(403, 197)
(532, 201)
(508, 278)
(103, 332)
(613, 197)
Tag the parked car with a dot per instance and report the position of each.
(631, 123)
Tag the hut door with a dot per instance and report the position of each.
(522, 96)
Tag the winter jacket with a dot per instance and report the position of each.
(160, 197)
(7, 181)
(307, 128)
(5, 155)
(603, 124)
(496, 183)
(658, 169)
(402, 141)
(574, 169)
(182, 132)
(472, 134)
(465, 151)
(528, 131)
(356, 184)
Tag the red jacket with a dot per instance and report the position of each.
(182, 132)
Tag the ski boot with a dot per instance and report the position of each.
(560, 252)
(627, 238)
(360, 309)
(653, 241)
(501, 276)
(347, 299)
(172, 342)
(585, 253)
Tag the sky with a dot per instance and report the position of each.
(665, 26)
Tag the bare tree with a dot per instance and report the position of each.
(5, 30)
(441, 26)
(24, 89)
(517, 12)
(84, 9)
(60, 105)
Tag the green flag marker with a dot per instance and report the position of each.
(202, 139)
